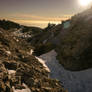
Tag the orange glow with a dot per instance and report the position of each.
(39, 21)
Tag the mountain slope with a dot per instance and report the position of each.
(75, 51)
(13, 27)
(73, 44)
(20, 70)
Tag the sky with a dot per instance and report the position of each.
(39, 12)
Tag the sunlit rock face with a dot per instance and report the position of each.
(43, 63)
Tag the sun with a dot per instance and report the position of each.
(85, 2)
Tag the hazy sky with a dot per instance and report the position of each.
(38, 12)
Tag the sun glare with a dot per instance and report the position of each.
(85, 2)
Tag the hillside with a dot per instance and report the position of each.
(13, 27)
(7, 25)
(71, 40)
(75, 51)
(47, 40)
(19, 70)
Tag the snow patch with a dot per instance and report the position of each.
(43, 63)
(18, 33)
(80, 81)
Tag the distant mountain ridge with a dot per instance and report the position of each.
(13, 26)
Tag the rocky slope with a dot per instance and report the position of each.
(72, 44)
(19, 70)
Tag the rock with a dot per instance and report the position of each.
(2, 86)
(19, 70)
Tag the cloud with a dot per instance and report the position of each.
(28, 19)
(39, 18)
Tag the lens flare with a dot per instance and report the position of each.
(85, 2)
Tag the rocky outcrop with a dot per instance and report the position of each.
(20, 70)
